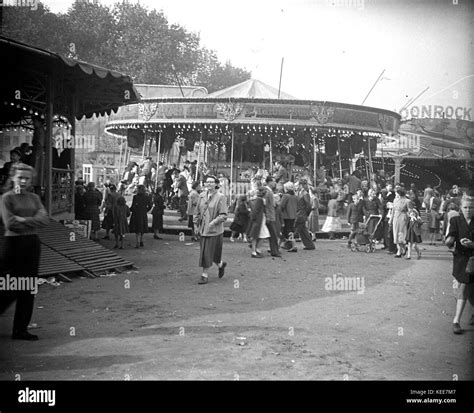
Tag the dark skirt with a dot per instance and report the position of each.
(139, 223)
(211, 250)
(237, 228)
(157, 223)
(413, 237)
(108, 221)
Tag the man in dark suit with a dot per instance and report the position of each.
(303, 209)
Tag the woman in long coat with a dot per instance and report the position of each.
(110, 201)
(121, 212)
(288, 205)
(141, 204)
(434, 217)
(92, 200)
(399, 221)
(313, 219)
(257, 221)
(461, 237)
(210, 215)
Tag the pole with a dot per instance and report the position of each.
(271, 157)
(372, 88)
(383, 161)
(371, 168)
(199, 157)
(177, 79)
(339, 155)
(157, 159)
(144, 144)
(314, 160)
(120, 164)
(281, 72)
(231, 165)
(412, 100)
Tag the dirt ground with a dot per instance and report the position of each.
(267, 319)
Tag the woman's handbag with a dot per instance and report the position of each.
(470, 266)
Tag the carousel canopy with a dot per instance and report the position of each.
(251, 89)
(221, 119)
(30, 76)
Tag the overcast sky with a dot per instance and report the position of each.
(336, 49)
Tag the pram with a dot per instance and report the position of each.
(365, 234)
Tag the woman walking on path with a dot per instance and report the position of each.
(22, 213)
(414, 231)
(399, 220)
(157, 214)
(141, 204)
(373, 206)
(258, 230)
(314, 215)
(211, 213)
(288, 204)
(110, 201)
(332, 222)
(461, 237)
(121, 212)
(241, 219)
(434, 217)
(92, 200)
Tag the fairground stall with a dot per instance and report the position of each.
(40, 89)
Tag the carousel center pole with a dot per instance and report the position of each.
(231, 165)
(314, 160)
(144, 145)
(339, 155)
(157, 159)
(271, 157)
(199, 157)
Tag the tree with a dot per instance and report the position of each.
(126, 37)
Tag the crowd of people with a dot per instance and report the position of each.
(276, 209)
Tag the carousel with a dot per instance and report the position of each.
(254, 124)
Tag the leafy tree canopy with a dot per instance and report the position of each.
(126, 37)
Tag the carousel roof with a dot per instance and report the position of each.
(252, 89)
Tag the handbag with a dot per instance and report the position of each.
(470, 266)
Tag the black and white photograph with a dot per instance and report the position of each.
(237, 191)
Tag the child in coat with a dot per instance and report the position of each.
(121, 212)
(414, 231)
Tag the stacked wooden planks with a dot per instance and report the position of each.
(90, 255)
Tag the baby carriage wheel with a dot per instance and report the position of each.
(354, 247)
(372, 247)
(368, 248)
